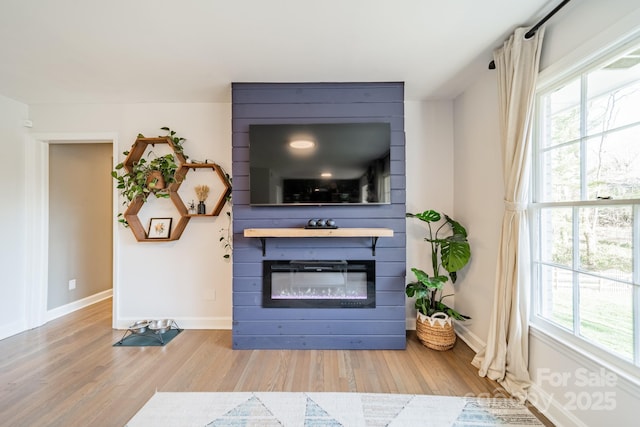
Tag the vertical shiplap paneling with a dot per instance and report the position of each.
(275, 328)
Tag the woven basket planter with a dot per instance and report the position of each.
(436, 332)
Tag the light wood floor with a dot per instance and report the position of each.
(67, 373)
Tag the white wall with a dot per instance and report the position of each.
(12, 218)
(478, 199)
(187, 280)
(579, 29)
(429, 169)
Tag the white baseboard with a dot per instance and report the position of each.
(411, 323)
(13, 328)
(550, 408)
(223, 323)
(471, 339)
(77, 305)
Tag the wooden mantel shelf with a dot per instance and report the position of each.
(264, 233)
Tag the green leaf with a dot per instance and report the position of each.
(451, 252)
(420, 275)
(426, 216)
(455, 254)
(458, 230)
(436, 282)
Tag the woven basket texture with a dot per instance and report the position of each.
(437, 336)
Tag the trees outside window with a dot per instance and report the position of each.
(586, 206)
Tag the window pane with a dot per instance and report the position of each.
(587, 178)
(606, 241)
(556, 299)
(613, 164)
(606, 314)
(613, 95)
(562, 114)
(561, 174)
(556, 236)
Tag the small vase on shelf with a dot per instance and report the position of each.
(202, 191)
(192, 208)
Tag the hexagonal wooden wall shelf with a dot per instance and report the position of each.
(141, 144)
(181, 174)
(131, 213)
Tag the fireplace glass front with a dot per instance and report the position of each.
(319, 284)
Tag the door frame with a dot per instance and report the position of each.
(37, 208)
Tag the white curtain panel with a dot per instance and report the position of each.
(505, 357)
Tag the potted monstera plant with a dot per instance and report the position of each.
(450, 252)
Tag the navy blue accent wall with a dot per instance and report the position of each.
(255, 327)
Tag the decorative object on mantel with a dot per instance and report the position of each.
(321, 223)
(264, 233)
(202, 192)
(192, 208)
(434, 326)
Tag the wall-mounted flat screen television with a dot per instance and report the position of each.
(319, 164)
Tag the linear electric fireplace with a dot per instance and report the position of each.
(319, 284)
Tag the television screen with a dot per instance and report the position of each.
(318, 164)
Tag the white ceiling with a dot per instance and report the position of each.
(129, 51)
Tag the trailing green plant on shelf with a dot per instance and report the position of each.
(177, 140)
(226, 238)
(451, 253)
(146, 177)
(151, 175)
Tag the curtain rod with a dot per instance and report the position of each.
(532, 31)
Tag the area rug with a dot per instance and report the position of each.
(328, 409)
(147, 339)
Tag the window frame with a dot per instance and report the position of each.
(594, 351)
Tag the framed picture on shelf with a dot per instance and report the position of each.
(159, 228)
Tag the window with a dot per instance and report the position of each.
(586, 208)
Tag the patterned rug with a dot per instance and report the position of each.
(328, 410)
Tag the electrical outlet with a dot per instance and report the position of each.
(72, 284)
